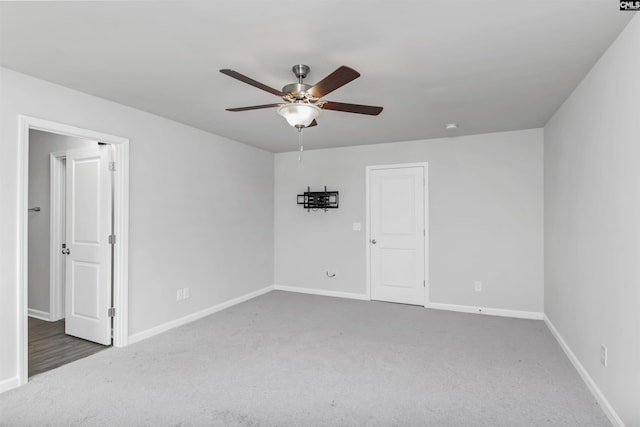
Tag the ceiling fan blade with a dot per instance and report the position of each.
(333, 81)
(250, 81)
(352, 108)
(313, 123)
(253, 107)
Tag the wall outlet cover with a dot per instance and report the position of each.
(477, 285)
(603, 355)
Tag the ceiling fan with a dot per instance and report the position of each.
(301, 102)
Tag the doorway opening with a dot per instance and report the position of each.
(74, 244)
(53, 342)
(397, 233)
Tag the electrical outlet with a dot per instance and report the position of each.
(357, 226)
(185, 293)
(477, 285)
(179, 295)
(603, 355)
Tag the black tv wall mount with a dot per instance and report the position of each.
(314, 200)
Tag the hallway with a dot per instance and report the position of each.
(50, 347)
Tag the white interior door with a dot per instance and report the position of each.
(88, 253)
(397, 234)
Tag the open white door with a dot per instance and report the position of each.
(88, 252)
(397, 234)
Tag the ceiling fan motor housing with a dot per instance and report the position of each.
(297, 90)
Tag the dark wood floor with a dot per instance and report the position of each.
(50, 347)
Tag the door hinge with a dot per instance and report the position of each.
(424, 283)
(112, 166)
(112, 239)
(111, 312)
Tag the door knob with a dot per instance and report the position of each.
(66, 251)
(374, 241)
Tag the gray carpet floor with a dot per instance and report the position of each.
(286, 359)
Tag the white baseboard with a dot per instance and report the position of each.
(438, 306)
(533, 315)
(321, 292)
(602, 401)
(9, 384)
(39, 314)
(195, 316)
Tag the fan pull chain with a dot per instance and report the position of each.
(300, 144)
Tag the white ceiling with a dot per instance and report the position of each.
(488, 65)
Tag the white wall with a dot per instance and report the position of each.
(485, 199)
(592, 222)
(201, 208)
(41, 145)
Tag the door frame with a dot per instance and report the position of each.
(425, 166)
(56, 218)
(121, 229)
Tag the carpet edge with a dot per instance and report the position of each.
(591, 384)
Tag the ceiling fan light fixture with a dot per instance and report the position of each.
(299, 114)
